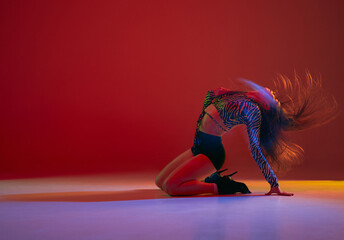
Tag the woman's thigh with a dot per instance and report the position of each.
(169, 168)
(195, 168)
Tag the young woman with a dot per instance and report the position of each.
(301, 105)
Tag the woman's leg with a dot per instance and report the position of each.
(172, 166)
(186, 179)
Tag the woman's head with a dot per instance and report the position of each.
(262, 95)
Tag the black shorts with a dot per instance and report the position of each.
(211, 146)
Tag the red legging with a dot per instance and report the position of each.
(184, 174)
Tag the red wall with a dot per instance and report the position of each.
(114, 86)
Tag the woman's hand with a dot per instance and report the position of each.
(278, 191)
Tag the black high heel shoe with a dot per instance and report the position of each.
(225, 184)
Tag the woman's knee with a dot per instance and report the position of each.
(170, 186)
(158, 181)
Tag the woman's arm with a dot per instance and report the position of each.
(253, 121)
(253, 118)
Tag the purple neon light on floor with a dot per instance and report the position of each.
(123, 207)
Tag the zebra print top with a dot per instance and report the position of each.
(236, 108)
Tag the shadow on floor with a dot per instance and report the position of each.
(102, 196)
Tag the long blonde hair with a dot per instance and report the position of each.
(303, 104)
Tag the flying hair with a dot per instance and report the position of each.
(297, 104)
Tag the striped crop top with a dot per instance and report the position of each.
(236, 108)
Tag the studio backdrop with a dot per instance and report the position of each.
(117, 86)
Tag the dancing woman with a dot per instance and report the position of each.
(296, 105)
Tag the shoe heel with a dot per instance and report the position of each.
(231, 174)
(222, 170)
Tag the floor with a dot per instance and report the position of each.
(131, 207)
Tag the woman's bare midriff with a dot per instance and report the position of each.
(208, 125)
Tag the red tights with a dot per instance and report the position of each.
(183, 175)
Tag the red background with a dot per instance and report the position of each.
(117, 86)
